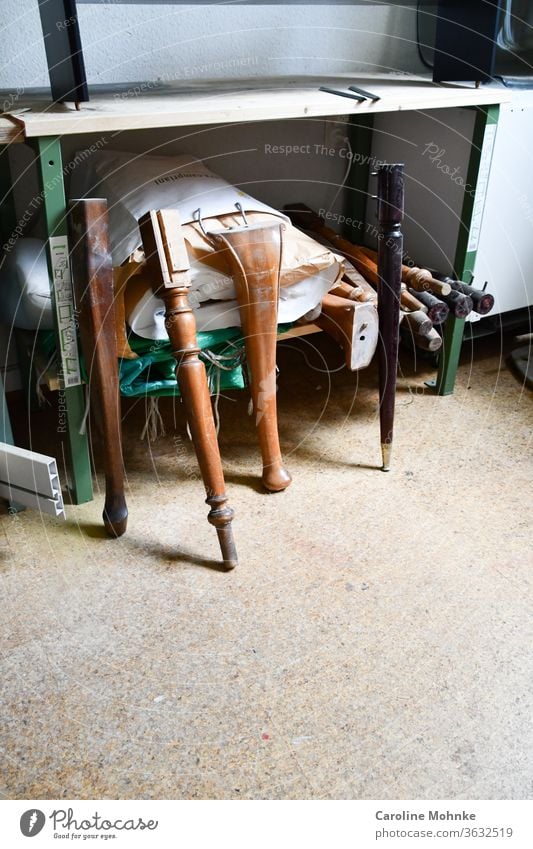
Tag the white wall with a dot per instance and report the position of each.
(433, 201)
(504, 258)
(133, 42)
(127, 42)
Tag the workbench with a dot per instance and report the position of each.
(148, 106)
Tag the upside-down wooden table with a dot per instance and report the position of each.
(41, 124)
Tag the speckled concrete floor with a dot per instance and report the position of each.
(375, 641)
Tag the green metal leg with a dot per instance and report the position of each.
(7, 226)
(9, 236)
(6, 435)
(26, 368)
(465, 255)
(449, 356)
(7, 206)
(360, 130)
(72, 398)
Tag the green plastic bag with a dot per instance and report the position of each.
(153, 372)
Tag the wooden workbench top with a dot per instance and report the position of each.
(150, 105)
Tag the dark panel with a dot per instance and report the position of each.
(64, 54)
(465, 41)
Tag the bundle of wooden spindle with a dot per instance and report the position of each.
(427, 297)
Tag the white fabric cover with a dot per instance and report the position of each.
(25, 286)
(134, 184)
(147, 318)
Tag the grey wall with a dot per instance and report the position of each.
(125, 42)
(434, 201)
(132, 42)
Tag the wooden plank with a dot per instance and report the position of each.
(218, 104)
(10, 130)
(299, 330)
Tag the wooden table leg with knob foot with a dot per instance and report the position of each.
(192, 381)
(93, 286)
(167, 259)
(390, 216)
(254, 257)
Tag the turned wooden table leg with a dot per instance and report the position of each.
(254, 256)
(192, 380)
(94, 296)
(166, 257)
(390, 215)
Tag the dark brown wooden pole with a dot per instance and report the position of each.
(390, 248)
(386, 275)
(94, 295)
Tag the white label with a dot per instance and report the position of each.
(481, 187)
(64, 306)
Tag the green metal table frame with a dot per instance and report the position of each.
(465, 254)
(52, 200)
(6, 435)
